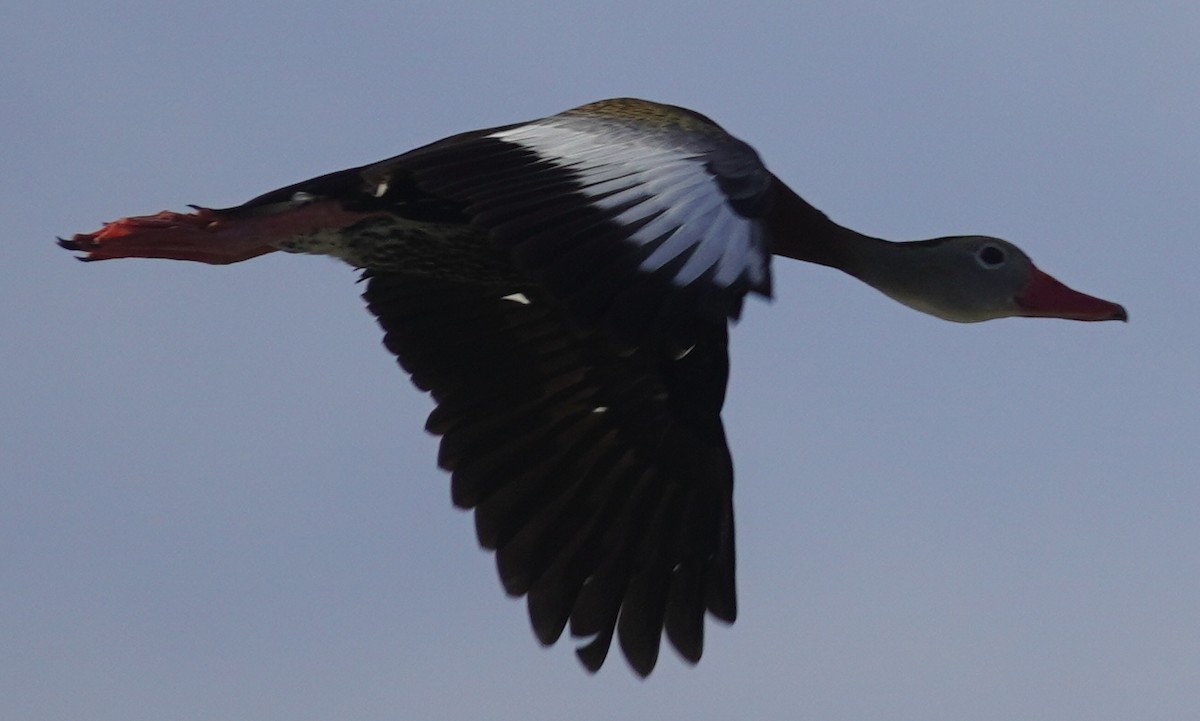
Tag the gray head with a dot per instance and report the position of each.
(972, 278)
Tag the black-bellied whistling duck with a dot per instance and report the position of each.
(563, 288)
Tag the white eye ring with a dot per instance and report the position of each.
(991, 256)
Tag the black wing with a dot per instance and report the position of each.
(637, 216)
(602, 480)
(582, 426)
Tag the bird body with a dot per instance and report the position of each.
(563, 288)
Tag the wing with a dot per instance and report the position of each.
(601, 479)
(638, 216)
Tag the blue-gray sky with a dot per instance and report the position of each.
(217, 499)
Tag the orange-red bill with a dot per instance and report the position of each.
(1046, 297)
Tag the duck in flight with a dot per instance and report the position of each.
(563, 288)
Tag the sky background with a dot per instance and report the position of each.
(216, 497)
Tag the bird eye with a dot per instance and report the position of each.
(990, 256)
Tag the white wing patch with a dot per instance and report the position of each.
(664, 193)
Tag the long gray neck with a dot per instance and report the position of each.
(802, 232)
(901, 271)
